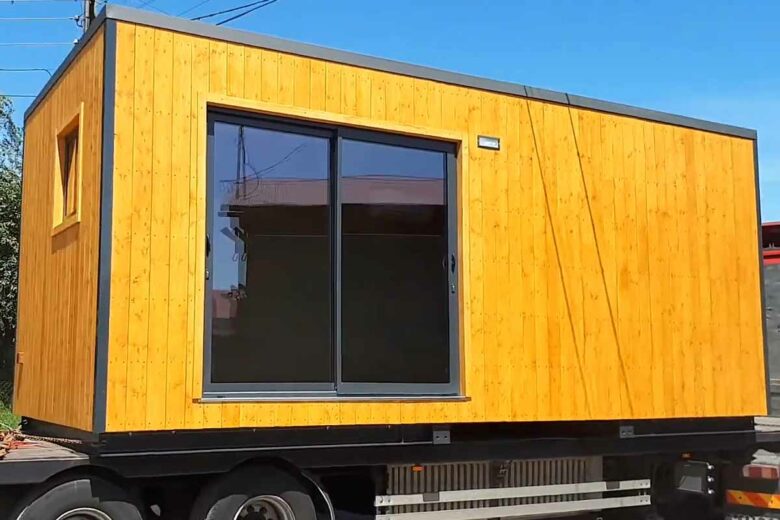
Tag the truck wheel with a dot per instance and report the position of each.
(254, 493)
(87, 498)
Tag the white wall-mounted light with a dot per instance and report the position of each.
(491, 143)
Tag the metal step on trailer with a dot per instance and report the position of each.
(477, 497)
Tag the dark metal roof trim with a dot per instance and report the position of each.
(83, 41)
(99, 404)
(126, 14)
(140, 17)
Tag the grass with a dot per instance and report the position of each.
(7, 418)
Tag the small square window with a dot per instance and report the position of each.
(67, 175)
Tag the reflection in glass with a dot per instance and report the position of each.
(270, 257)
(393, 270)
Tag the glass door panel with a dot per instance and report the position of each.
(394, 282)
(270, 274)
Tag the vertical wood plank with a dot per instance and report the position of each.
(122, 229)
(160, 228)
(540, 233)
(181, 152)
(217, 83)
(517, 285)
(733, 346)
(642, 316)
(302, 86)
(235, 70)
(286, 93)
(588, 138)
(705, 318)
(476, 353)
(684, 374)
(555, 306)
(608, 247)
(573, 199)
(194, 416)
(693, 170)
(493, 385)
(269, 77)
(140, 257)
(317, 78)
(717, 282)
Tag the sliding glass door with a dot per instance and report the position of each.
(394, 299)
(330, 259)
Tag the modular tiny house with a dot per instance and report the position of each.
(249, 233)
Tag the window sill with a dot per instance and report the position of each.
(67, 223)
(290, 398)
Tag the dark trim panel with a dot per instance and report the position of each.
(106, 204)
(165, 453)
(82, 438)
(762, 288)
(126, 14)
(94, 27)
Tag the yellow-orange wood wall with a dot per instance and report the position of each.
(610, 264)
(58, 272)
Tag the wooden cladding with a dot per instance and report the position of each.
(58, 268)
(609, 266)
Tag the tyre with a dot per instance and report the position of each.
(87, 498)
(254, 493)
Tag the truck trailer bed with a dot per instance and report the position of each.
(31, 461)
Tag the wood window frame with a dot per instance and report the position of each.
(68, 193)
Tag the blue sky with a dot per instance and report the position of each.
(713, 59)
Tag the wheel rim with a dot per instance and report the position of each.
(84, 513)
(265, 507)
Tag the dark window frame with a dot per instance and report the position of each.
(69, 172)
(338, 389)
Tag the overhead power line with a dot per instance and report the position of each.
(239, 15)
(34, 44)
(32, 1)
(38, 18)
(140, 4)
(19, 95)
(31, 69)
(217, 13)
(253, 5)
(266, 4)
(223, 22)
(193, 7)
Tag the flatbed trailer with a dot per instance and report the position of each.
(605, 471)
(261, 279)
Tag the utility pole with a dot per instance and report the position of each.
(89, 13)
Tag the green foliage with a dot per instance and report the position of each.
(10, 216)
(7, 418)
(10, 139)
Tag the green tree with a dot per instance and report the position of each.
(10, 216)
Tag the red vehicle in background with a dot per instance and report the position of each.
(771, 243)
